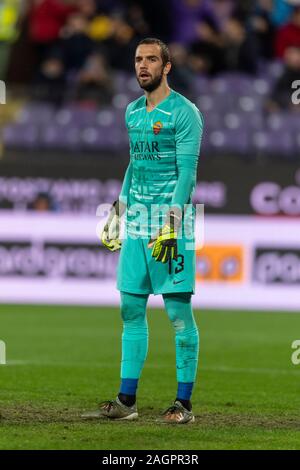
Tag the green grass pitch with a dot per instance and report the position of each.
(64, 360)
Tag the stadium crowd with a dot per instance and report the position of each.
(69, 49)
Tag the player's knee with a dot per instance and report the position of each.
(180, 313)
(129, 314)
(185, 326)
(179, 309)
(178, 323)
(132, 310)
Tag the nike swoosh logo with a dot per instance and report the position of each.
(178, 282)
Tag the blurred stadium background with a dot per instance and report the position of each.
(68, 71)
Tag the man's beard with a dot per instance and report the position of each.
(152, 85)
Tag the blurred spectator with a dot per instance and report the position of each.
(186, 16)
(263, 28)
(100, 28)
(182, 75)
(136, 19)
(281, 12)
(158, 16)
(240, 50)
(87, 8)
(205, 58)
(109, 7)
(42, 203)
(20, 71)
(49, 84)
(120, 47)
(99, 22)
(46, 18)
(76, 44)
(94, 82)
(289, 35)
(282, 92)
(206, 54)
(222, 10)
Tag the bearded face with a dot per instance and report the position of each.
(149, 67)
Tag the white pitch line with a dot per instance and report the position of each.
(251, 370)
(225, 369)
(21, 362)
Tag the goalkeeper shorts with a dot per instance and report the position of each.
(139, 273)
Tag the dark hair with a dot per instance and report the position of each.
(164, 50)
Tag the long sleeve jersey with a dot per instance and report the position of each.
(164, 153)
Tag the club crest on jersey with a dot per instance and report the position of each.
(157, 127)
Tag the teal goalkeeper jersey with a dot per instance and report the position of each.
(164, 152)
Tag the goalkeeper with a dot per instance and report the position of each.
(158, 252)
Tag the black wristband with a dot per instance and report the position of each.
(119, 207)
(174, 217)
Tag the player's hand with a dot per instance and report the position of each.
(111, 231)
(164, 244)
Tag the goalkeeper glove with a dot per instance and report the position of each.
(164, 244)
(111, 231)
